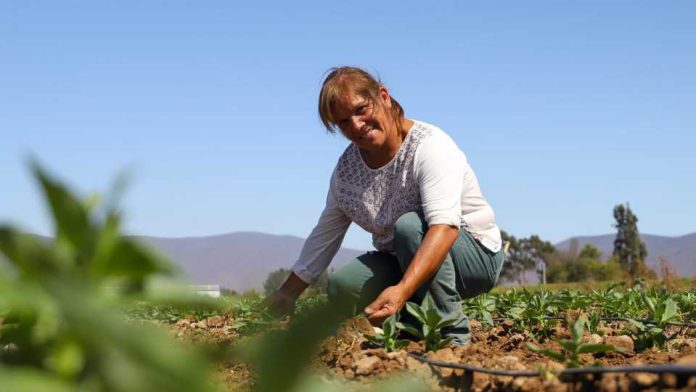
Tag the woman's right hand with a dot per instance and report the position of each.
(282, 302)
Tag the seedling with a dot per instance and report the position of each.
(387, 336)
(431, 324)
(574, 347)
(652, 334)
(481, 307)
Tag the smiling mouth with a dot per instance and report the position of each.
(367, 133)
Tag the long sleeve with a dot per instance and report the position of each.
(440, 168)
(324, 241)
(450, 191)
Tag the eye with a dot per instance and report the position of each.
(361, 110)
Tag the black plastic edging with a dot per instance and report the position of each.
(678, 370)
(644, 321)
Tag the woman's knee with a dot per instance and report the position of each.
(339, 287)
(409, 229)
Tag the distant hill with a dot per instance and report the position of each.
(237, 261)
(680, 251)
(243, 260)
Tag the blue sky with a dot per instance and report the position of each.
(564, 109)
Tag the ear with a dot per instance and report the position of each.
(386, 99)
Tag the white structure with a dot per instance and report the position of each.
(212, 290)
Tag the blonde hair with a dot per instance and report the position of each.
(340, 82)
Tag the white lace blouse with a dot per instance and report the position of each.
(429, 175)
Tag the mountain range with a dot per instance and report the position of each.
(237, 261)
(242, 261)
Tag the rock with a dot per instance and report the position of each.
(398, 356)
(554, 366)
(365, 365)
(345, 362)
(509, 362)
(687, 360)
(645, 379)
(444, 355)
(623, 342)
(215, 321)
(183, 323)
(478, 337)
(670, 380)
(593, 339)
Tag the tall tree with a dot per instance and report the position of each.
(542, 252)
(525, 254)
(628, 248)
(515, 264)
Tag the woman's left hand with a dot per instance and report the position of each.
(390, 301)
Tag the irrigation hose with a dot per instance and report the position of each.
(644, 321)
(677, 370)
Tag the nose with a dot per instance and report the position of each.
(355, 123)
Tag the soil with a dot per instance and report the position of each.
(348, 358)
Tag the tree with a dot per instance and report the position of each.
(628, 248)
(590, 252)
(515, 265)
(525, 254)
(542, 252)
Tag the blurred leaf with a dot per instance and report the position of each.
(281, 356)
(70, 216)
(25, 379)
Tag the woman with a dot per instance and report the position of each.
(408, 184)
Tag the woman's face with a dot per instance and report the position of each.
(365, 123)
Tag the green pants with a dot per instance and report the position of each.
(468, 270)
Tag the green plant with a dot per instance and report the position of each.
(388, 336)
(481, 307)
(57, 296)
(593, 321)
(431, 324)
(574, 347)
(662, 311)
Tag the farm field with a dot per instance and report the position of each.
(93, 310)
(618, 327)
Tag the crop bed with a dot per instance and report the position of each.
(503, 328)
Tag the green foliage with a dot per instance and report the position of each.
(480, 307)
(574, 347)
(431, 324)
(59, 331)
(628, 248)
(663, 310)
(525, 254)
(388, 336)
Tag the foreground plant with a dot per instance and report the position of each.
(570, 356)
(431, 324)
(59, 330)
(387, 337)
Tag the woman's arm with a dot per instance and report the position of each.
(317, 252)
(282, 302)
(437, 243)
